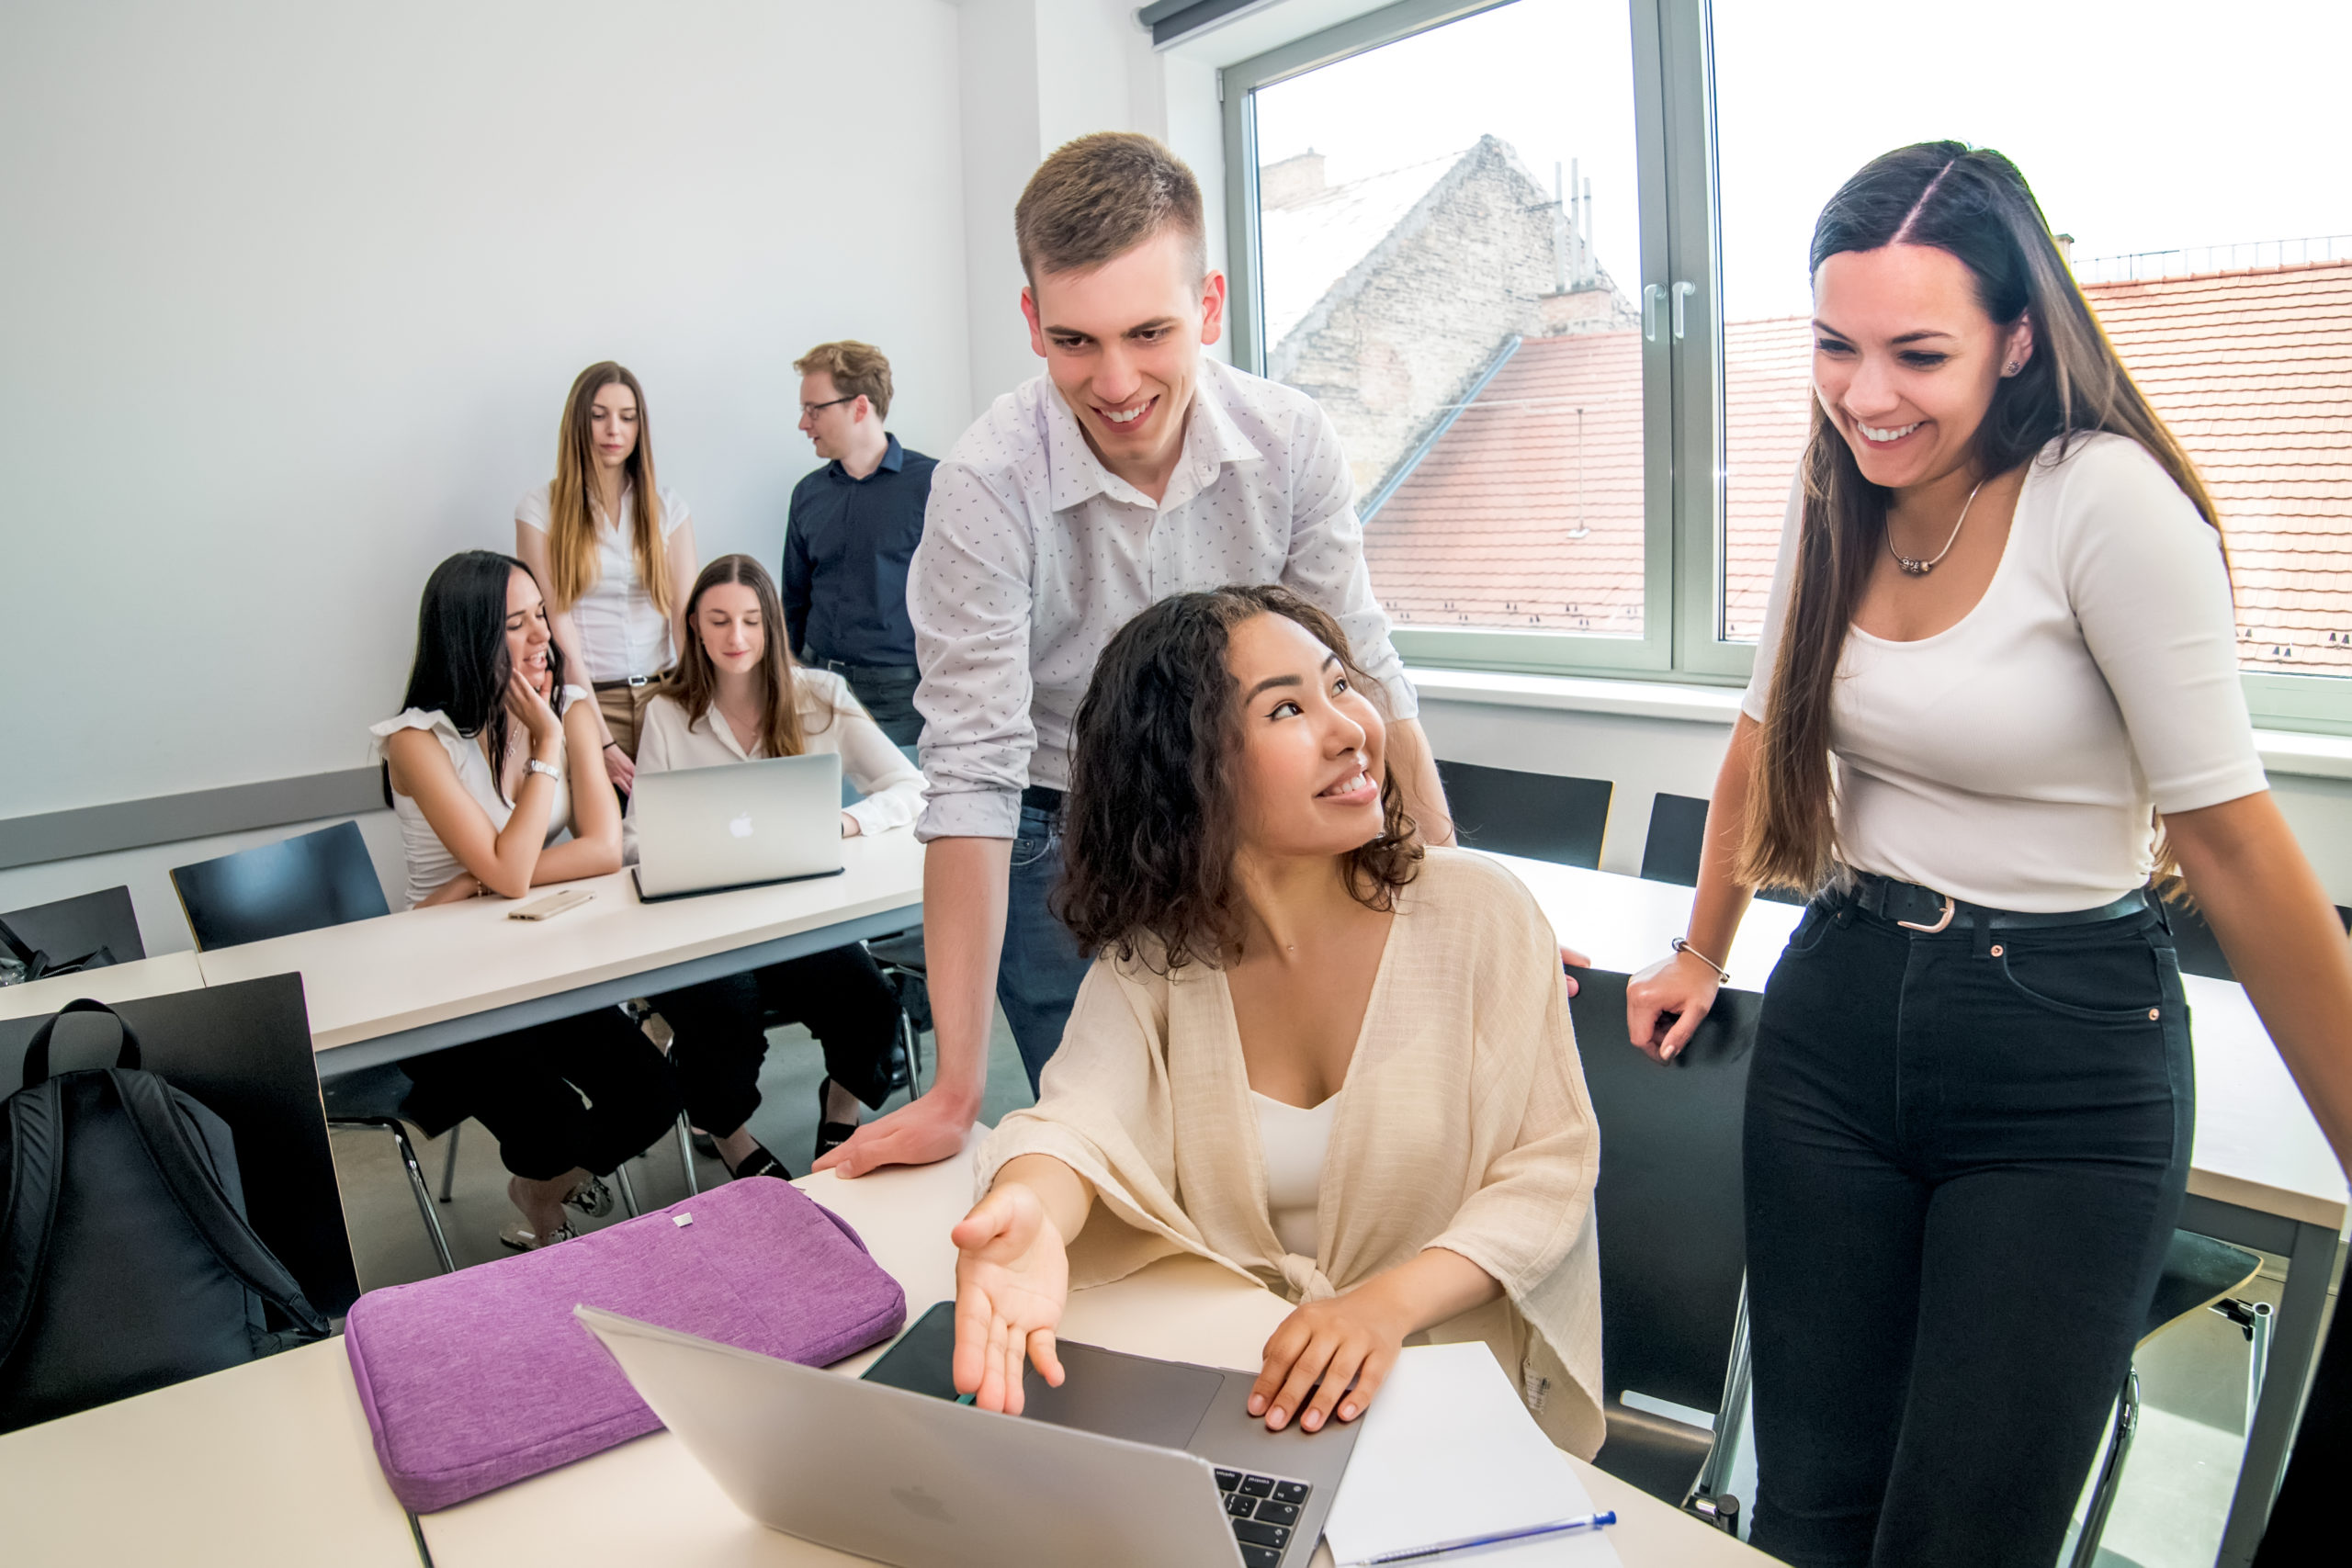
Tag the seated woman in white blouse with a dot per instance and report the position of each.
(1308, 1049)
(737, 695)
(491, 758)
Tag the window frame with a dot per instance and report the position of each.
(1682, 381)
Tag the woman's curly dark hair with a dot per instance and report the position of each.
(1150, 825)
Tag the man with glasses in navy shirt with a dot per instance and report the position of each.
(854, 529)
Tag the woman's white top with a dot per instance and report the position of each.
(430, 864)
(1296, 1142)
(831, 719)
(622, 633)
(2013, 759)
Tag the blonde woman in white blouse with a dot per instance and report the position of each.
(613, 549)
(735, 697)
(2000, 640)
(1306, 1049)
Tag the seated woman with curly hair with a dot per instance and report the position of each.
(1309, 1049)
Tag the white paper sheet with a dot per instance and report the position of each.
(1448, 1451)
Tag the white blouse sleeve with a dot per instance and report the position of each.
(891, 785)
(1775, 605)
(2145, 574)
(675, 511)
(532, 510)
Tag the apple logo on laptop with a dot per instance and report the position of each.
(915, 1500)
(742, 826)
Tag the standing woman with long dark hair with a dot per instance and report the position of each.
(1999, 643)
(615, 552)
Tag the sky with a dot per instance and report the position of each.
(2154, 126)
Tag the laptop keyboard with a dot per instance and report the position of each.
(1264, 1510)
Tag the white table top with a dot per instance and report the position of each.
(648, 1502)
(263, 1465)
(116, 983)
(2257, 1145)
(423, 966)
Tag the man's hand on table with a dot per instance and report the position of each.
(922, 1131)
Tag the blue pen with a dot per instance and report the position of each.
(1557, 1527)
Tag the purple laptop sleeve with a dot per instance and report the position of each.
(478, 1378)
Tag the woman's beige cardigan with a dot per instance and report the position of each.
(1463, 1125)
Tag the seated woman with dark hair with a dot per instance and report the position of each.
(491, 760)
(1308, 1049)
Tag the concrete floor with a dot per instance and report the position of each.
(388, 1240)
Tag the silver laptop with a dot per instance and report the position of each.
(1142, 1462)
(738, 825)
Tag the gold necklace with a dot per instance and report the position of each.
(1921, 567)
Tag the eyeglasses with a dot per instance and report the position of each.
(808, 410)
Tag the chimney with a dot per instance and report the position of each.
(1293, 180)
(1560, 236)
(2066, 249)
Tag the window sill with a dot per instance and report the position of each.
(2283, 751)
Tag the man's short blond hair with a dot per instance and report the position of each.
(858, 370)
(1102, 196)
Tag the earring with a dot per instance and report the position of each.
(2011, 368)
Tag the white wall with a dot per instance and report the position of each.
(294, 293)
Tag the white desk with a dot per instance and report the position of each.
(271, 1463)
(115, 983)
(378, 991)
(263, 1466)
(2261, 1174)
(648, 1502)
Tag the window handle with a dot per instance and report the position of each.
(1651, 295)
(1683, 291)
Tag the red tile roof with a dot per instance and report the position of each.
(2252, 371)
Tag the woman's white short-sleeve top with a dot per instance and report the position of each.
(430, 864)
(622, 633)
(2014, 759)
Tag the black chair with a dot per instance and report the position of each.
(1678, 830)
(1539, 816)
(2200, 1273)
(295, 885)
(89, 930)
(2200, 950)
(298, 884)
(244, 1049)
(1673, 1249)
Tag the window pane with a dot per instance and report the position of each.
(2213, 256)
(1466, 330)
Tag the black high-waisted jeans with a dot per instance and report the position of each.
(1964, 1155)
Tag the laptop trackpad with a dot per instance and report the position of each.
(1117, 1395)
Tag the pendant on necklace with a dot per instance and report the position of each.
(1912, 568)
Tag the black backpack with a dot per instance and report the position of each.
(126, 1261)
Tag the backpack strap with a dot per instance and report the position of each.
(189, 1175)
(37, 1160)
(37, 1050)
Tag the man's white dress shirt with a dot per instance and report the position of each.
(1033, 554)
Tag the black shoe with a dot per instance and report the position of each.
(760, 1162)
(831, 1135)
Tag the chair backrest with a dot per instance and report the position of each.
(84, 924)
(1673, 1242)
(296, 885)
(244, 1049)
(1677, 831)
(1540, 815)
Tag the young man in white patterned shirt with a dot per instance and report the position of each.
(1135, 468)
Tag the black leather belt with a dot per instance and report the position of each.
(631, 684)
(1924, 909)
(1041, 797)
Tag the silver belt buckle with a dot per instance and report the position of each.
(1941, 924)
(641, 681)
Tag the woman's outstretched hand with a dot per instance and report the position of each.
(1011, 1281)
(1666, 1003)
(1348, 1344)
